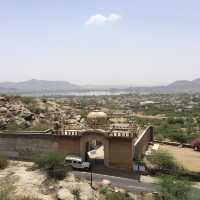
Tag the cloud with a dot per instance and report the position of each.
(100, 19)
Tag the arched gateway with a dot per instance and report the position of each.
(99, 136)
(120, 141)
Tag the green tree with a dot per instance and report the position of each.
(52, 163)
(171, 188)
(164, 162)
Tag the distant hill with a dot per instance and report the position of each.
(43, 87)
(185, 86)
(182, 86)
(38, 85)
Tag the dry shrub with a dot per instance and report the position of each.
(3, 162)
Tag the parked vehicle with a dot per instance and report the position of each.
(76, 162)
(196, 144)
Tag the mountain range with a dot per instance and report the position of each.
(182, 86)
(42, 86)
(39, 85)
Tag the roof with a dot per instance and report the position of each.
(97, 115)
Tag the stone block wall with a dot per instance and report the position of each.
(24, 146)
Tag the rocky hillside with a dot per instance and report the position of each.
(25, 113)
(31, 113)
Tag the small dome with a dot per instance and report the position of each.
(97, 118)
(97, 115)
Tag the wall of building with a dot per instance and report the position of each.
(24, 146)
(120, 153)
(141, 144)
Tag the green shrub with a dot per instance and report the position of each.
(164, 162)
(194, 194)
(175, 121)
(4, 194)
(35, 109)
(3, 162)
(171, 188)
(181, 137)
(6, 189)
(41, 126)
(52, 163)
(159, 137)
(118, 196)
(76, 193)
(27, 100)
(103, 190)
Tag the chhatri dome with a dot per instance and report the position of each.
(97, 118)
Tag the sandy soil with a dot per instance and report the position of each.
(34, 183)
(189, 158)
(26, 182)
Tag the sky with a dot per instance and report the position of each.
(127, 42)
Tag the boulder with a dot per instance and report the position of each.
(64, 194)
(9, 114)
(42, 116)
(27, 115)
(105, 182)
(23, 123)
(3, 123)
(3, 99)
(3, 110)
(15, 109)
(41, 106)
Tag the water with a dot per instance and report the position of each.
(76, 93)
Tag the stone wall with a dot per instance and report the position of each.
(142, 143)
(24, 146)
(119, 152)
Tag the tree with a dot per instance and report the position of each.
(164, 162)
(171, 188)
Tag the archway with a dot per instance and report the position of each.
(98, 146)
(95, 152)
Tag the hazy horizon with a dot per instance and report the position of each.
(100, 42)
(105, 85)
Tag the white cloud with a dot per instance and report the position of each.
(113, 18)
(100, 19)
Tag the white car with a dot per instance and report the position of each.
(76, 162)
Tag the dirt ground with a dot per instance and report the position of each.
(34, 183)
(142, 115)
(189, 158)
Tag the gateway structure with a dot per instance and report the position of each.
(123, 142)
